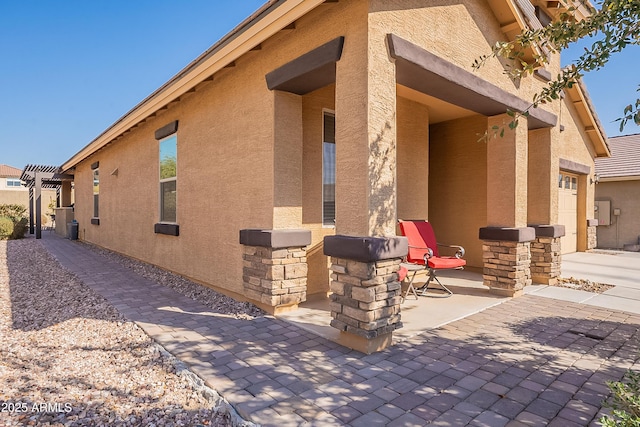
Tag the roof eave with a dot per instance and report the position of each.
(593, 128)
(264, 23)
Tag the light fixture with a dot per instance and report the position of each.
(595, 179)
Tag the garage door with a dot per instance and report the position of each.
(568, 211)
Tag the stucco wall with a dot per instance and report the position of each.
(624, 229)
(458, 184)
(225, 178)
(572, 146)
(313, 106)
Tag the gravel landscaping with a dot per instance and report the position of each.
(67, 357)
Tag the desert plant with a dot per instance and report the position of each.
(16, 215)
(624, 402)
(19, 229)
(6, 227)
(14, 212)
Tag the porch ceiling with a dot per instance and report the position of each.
(425, 72)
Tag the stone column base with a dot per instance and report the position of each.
(365, 303)
(592, 236)
(507, 259)
(274, 271)
(546, 254)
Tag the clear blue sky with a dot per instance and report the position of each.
(71, 68)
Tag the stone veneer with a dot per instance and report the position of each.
(506, 254)
(366, 296)
(366, 291)
(546, 254)
(592, 237)
(274, 272)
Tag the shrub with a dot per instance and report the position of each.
(624, 402)
(13, 212)
(6, 227)
(19, 229)
(13, 221)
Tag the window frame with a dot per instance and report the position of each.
(327, 112)
(13, 183)
(95, 176)
(162, 181)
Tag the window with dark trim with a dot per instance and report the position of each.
(168, 178)
(329, 169)
(96, 193)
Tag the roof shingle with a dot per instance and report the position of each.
(9, 171)
(624, 160)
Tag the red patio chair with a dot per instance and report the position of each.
(424, 255)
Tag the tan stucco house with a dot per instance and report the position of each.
(275, 166)
(618, 195)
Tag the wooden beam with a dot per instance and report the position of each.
(512, 26)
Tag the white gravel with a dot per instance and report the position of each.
(67, 357)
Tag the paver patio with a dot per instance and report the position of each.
(529, 361)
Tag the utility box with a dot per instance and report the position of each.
(603, 212)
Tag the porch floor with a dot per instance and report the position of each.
(469, 296)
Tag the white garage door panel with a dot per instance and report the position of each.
(568, 211)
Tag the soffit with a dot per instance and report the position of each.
(579, 96)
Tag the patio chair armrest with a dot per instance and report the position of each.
(459, 249)
(429, 253)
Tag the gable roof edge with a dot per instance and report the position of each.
(264, 23)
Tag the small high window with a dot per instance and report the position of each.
(13, 182)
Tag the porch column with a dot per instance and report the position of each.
(274, 271)
(507, 247)
(287, 160)
(542, 207)
(365, 137)
(365, 303)
(65, 194)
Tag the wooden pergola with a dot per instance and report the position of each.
(37, 177)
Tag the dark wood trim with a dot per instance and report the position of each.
(275, 238)
(570, 166)
(508, 234)
(168, 229)
(95, 221)
(549, 230)
(427, 73)
(365, 249)
(166, 130)
(311, 71)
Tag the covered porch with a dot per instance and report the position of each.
(406, 144)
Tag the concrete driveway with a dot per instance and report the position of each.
(618, 268)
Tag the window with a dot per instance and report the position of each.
(168, 178)
(560, 179)
(329, 170)
(13, 182)
(96, 192)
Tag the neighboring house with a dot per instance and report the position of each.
(618, 195)
(322, 118)
(13, 192)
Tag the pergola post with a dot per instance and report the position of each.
(31, 228)
(38, 184)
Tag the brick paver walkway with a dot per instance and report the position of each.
(528, 361)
